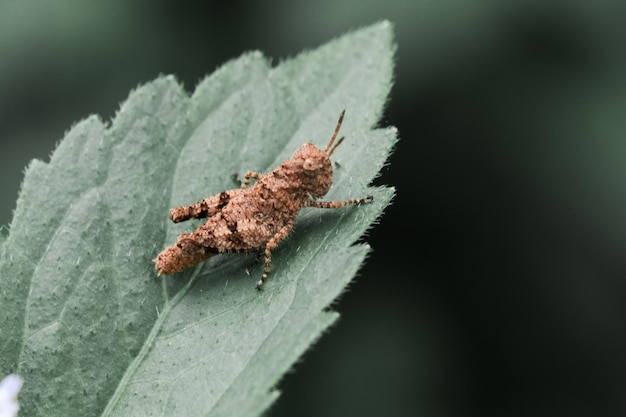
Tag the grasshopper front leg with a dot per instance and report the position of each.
(338, 204)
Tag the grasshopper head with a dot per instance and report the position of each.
(313, 169)
(313, 166)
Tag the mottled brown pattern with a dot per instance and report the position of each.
(255, 217)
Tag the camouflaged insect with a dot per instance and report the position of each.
(257, 217)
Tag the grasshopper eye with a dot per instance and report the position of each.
(311, 164)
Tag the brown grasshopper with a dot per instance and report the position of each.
(254, 217)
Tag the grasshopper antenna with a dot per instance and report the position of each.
(332, 140)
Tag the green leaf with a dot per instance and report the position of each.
(84, 318)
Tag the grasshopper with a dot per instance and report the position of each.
(256, 217)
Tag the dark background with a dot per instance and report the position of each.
(496, 284)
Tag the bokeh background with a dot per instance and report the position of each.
(497, 283)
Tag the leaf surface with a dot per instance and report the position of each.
(84, 319)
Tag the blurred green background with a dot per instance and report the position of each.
(497, 281)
